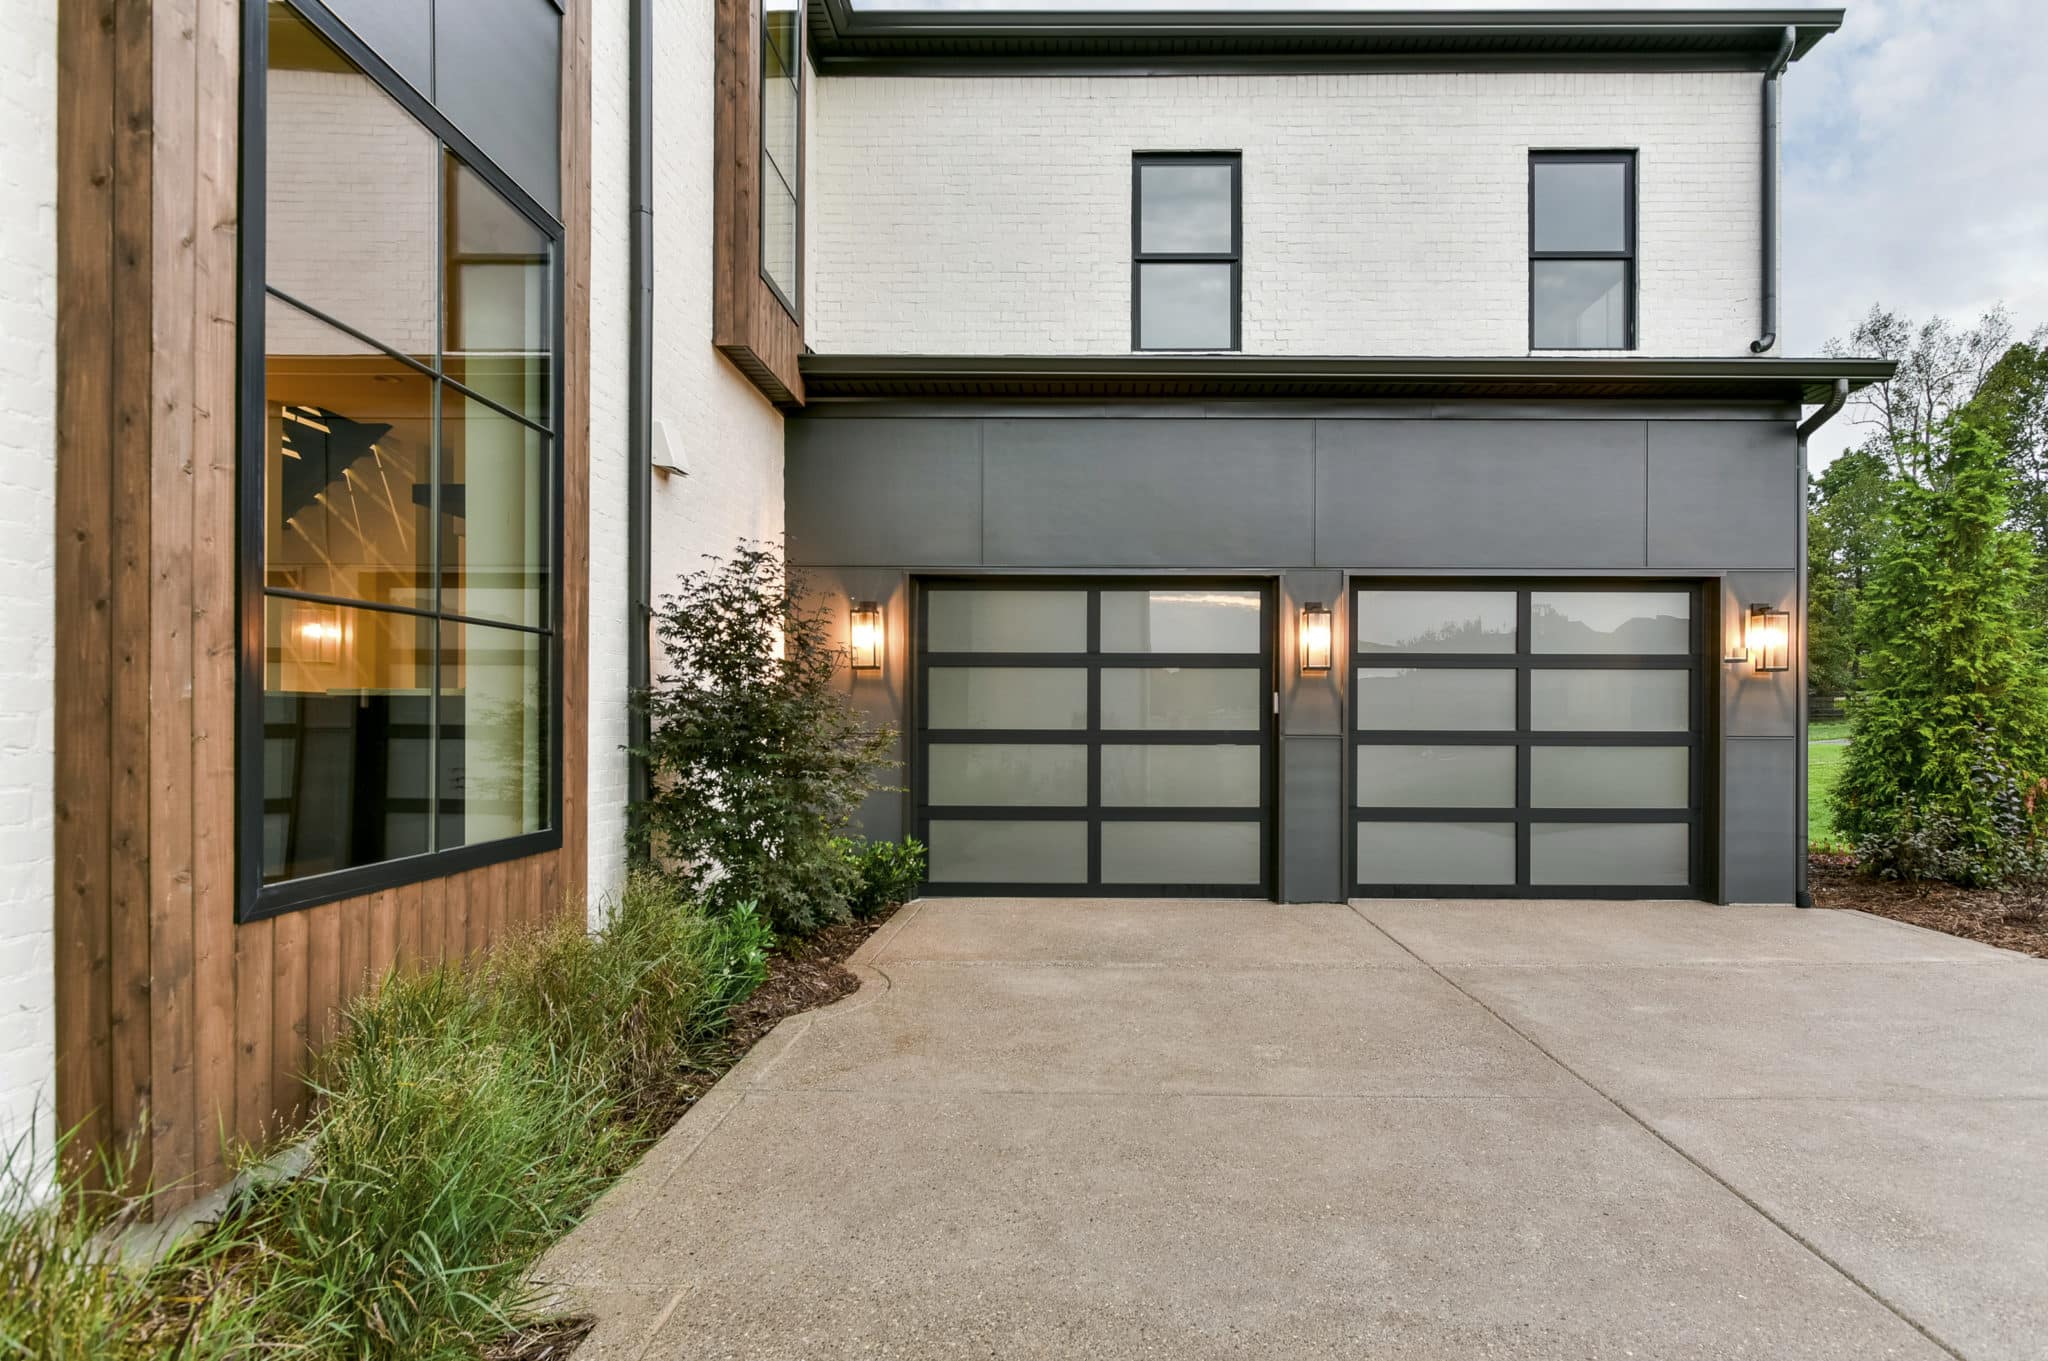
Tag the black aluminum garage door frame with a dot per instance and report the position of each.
(1095, 736)
(1524, 661)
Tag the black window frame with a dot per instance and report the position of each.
(798, 59)
(1140, 257)
(1628, 255)
(1698, 738)
(254, 899)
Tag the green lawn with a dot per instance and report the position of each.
(1828, 729)
(1823, 768)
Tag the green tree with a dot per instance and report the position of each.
(2012, 402)
(1940, 369)
(1846, 528)
(1944, 777)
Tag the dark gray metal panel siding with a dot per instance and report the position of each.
(1312, 705)
(879, 493)
(400, 31)
(1753, 704)
(1760, 843)
(1470, 495)
(1116, 493)
(882, 696)
(497, 74)
(1312, 819)
(1723, 494)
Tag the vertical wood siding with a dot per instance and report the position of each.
(748, 323)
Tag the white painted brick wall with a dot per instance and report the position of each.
(28, 481)
(1384, 214)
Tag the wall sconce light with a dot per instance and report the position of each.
(1315, 638)
(320, 635)
(1768, 636)
(865, 636)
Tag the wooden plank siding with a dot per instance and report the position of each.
(177, 1027)
(749, 324)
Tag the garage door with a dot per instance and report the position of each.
(1527, 740)
(1108, 737)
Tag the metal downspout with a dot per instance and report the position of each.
(640, 387)
(1764, 343)
(1835, 402)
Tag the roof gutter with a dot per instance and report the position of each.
(640, 391)
(1803, 894)
(1765, 343)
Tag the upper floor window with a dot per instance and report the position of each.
(782, 148)
(1187, 251)
(1582, 250)
(400, 478)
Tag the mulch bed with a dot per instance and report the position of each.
(2014, 919)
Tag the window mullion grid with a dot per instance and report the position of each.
(1094, 812)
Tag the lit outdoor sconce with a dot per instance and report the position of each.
(865, 636)
(1767, 639)
(320, 635)
(1315, 638)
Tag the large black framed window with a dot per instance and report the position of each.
(782, 140)
(1528, 739)
(399, 481)
(1187, 250)
(1582, 250)
(1102, 737)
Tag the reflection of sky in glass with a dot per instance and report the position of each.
(1180, 621)
(1611, 621)
(1579, 206)
(1184, 209)
(1184, 307)
(1436, 621)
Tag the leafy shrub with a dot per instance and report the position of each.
(755, 760)
(887, 873)
(1912, 843)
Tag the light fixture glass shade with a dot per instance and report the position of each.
(865, 636)
(1315, 638)
(1770, 638)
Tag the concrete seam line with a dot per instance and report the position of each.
(660, 1322)
(1726, 1185)
(634, 1214)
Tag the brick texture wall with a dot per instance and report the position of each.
(1383, 214)
(28, 394)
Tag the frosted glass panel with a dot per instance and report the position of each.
(1650, 854)
(1212, 776)
(1180, 621)
(1405, 853)
(1407, 699)
(1181, 699)
(1642, 623)
(1609, 777)
(1020, 697)
(1015, 774)
(1609, 701)
(1180, 853)
(1436, 621)
(1436, 777)
(1007, 621)
(1008, 852)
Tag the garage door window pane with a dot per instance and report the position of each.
(1650, 854)
(1609, 777)
(1404, 699)
(1008, 852)
(1436, 777)
(1436, 621)
(1180, 621)
(1180, 853)
(1017, 774)
(1609, 701)
(1406, 853)
(1638, 623)
(1154, 699)
(1210, 776)
(1018, 697)
(1007, 621)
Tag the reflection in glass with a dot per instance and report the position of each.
(1639, 623)
(1415, 853)
(1436, 621)
(1580, 304)
(1185, 307)
(778, 231)
(1007, 621)
(1411, 699)
(1181, 621)
(1595, 854)
(493, 768)
(1436, 777)
(1581, 205)
(493, 520)
(781, 150)
(348, 449)
(1180, 853)
(1205, 776)
(1013, 774)
(347, 737)
(498, 314)
(1609, 777)
(1184, 209)
(1180, 698)
(1609, 701)
(1007, 852)
(1014, 697)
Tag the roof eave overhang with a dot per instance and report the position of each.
(849, 377)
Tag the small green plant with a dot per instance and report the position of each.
(756, 759)
(889, 873)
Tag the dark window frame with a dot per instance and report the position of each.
(1140, 258)
(1698, 738)
(254, 899)
(1628, 255)
(798, 61)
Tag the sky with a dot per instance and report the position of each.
(1915, 157)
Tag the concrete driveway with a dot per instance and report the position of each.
(1433, 1129)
